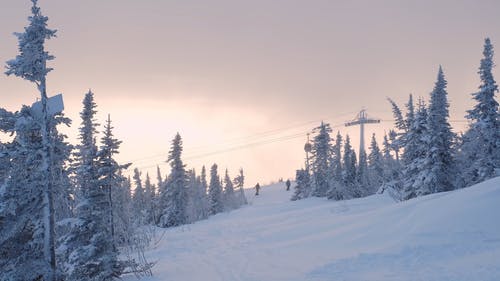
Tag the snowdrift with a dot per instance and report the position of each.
(446, 236)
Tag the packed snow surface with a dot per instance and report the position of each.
(445, 236)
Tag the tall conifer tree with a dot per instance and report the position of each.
(31, 64)
(438, 171)
(89, 247)
(176, 197)
(481, 145)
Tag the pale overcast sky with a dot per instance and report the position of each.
(222, 72)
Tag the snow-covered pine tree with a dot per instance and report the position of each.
(109, 174)
(159, 187)
(21, 204)
(197, 207)
(362, 175)
(191, 208)
(215, 195)
(175, 204)
(31, 64)
(390, 167)
(375, 165)
(303, 185)
(349, 172)
(149, 200)
(410, 113)
(399, 120)
(203, 194)
(89, 247)
(122, 207)
(356, 190)
(415, 152)
(396, 144)
(63, 186)
(337, 158)
(397, 136)
(229, 195)
(239, 181)
(203, 179)
(337, 190)
(438, 171)
(321, 155)
(481, 144)
(159, 177)
(139, 199)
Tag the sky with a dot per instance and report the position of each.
(244, 81)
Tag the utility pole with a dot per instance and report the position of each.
(361, 120)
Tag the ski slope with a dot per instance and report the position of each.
(446, 236)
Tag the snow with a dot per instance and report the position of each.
(445, 236)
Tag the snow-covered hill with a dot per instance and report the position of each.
(446, 236)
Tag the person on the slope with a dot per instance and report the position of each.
(287, 184)
(257, 188)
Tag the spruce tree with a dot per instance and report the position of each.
(215, 194)
(174, 212)
(31, 65)
(159, 177)
(239, 181)
(481, 144)
(203, 192)
(229, 195)
(362, 175)
(390, 167)
(191, 208)
(337, 190)
(122, 206)
(337, 158)
(375, 165)
(89, 247)
(22, 229)
(438, 170)
(415, 153)
(303, 185)
(349, 172)
(148, 200)
(109, 174)
(139, 199)
(321, 156)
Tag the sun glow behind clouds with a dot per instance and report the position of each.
(209, 130)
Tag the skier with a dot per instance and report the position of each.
(257, 188)
(287, 184)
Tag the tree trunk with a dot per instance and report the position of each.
(49, 211)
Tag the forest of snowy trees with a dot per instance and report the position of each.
(68, 212)
(420, 156)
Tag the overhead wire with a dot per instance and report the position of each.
(244, 146)
(241, 140)
(238, 143)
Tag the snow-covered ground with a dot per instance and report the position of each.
(446, 236)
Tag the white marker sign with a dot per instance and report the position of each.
(55, 106)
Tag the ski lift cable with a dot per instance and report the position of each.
(243, 146)
(221, 151)
(269, 133)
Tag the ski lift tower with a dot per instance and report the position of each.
(361, 120)
(307, 149)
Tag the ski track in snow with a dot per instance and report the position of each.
(447, 236)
